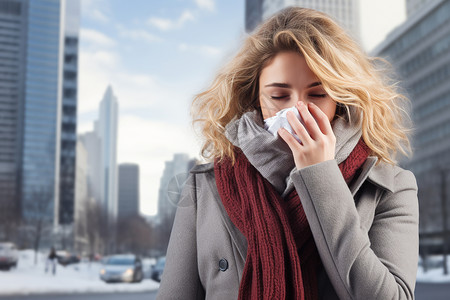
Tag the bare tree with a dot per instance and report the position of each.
(134, 235)
(37, 217)
(96, 228)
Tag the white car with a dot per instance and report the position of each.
(122, 268)
(8, 255)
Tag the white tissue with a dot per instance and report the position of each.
(274, 123)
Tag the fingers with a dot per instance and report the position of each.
(298, 127)
(293, 144)
(321, 118)
(309, 121)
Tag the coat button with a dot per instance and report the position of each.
(223, 265)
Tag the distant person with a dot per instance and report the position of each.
(52, 260)
(302, 197)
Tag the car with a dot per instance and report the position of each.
(158, 268)
(9, 255)
(66, 258)
(122, 268)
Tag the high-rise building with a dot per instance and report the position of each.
(419, 50)
(31, 68)
(81, 199)
(345, 12)
(413, 6)
(69, 114)
(92, 144)
(13, 24)
(34, 136)
(128, 200)
(106, 129)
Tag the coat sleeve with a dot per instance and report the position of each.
(380, 264)
(180, 279)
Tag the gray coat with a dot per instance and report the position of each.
(366, 235)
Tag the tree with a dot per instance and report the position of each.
(134, 235)
(37, 217)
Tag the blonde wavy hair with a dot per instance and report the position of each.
(357, 82)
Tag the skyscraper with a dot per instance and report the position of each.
(92, 144)
(106, 129)
(419, 50)
(345, 12)
(128, 200)
(13, 20)
(31, 55)
(69, 114)
(101, 151)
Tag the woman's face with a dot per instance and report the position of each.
(287, 79)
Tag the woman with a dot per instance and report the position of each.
(317, 211)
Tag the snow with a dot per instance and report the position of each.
(29, 278)
(435, 272)
(83, 277)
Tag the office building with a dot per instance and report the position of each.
(69, 114)
(31, 68)
(106, 129)
(345, 12)
(419, 50)
(128, 200)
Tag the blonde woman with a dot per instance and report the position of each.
(315, 209)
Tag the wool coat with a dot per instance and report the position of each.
(366, 234)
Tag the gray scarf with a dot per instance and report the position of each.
(271, 156)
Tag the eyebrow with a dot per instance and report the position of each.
(288, 86)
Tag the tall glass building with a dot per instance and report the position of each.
(419, 50)
(106, 129)
(31, 76)
(13, 28)
(42, 109)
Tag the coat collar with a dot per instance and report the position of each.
(381, 175)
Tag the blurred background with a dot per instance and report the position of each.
(96, 140)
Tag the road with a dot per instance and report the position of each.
(424, 291)
(115, 296)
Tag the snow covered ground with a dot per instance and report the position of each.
(28, 278)
(435, 273)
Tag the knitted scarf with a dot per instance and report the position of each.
(282, 257)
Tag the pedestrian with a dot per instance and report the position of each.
(302, 197)
(51, 261)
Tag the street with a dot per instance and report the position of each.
(424, 291)
(435, 291)
(115, 296)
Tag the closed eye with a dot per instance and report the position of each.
(279, 97)
(318, 95)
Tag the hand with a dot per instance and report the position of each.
(318, 140)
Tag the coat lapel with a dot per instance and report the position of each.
(380, 175)
(238, 238)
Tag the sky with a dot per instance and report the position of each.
(157, 55)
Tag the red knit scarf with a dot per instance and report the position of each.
(282, 257)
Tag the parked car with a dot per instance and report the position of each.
(158, 268)
(122, 268)
(66, 258)
(9, 255)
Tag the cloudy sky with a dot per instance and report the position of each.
(156, 55)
